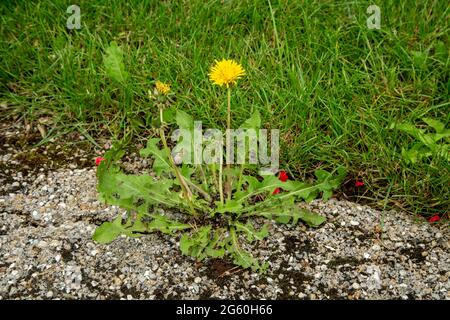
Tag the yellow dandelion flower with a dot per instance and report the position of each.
(162, 87)
(226, 72)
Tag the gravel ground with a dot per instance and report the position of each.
(49, 210)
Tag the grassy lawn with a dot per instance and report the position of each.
(314, 71)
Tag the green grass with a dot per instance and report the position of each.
(314, 71)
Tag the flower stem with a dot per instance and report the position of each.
(213, 169)
(187, 193)
(228, 182)
(241, 173)
(205, 183)
(229, 109)
(220, 180)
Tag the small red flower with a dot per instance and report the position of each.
(283, 178)
(359, 184)
(98, 160)
(434, 219)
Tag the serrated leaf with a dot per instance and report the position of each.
(195, 244)
(326, 182)
(185, 244)
(126, 191)
(113, 61)
(416, 153)
(135, 192)
(282, 215)
(183, 151)
(215, 248)
(268, 184)
(161, 156)
(215, 253)
(254, 122)
(250, 231)
(427, 142)
(229, 206)
(408, 128)
(292, 214)
(410, 156)
(252, 183)
(299, 189)
(241, 257)
(444, 134)
(312, 219)
(295, 188)
(184, 120)
(438, 126)
(322, 175)
(187, 171)
(169, 115)
(138, 226)
(108, 231)
(419, 134)
(111, 156)
(165, 225)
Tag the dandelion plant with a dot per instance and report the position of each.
(216, 203)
